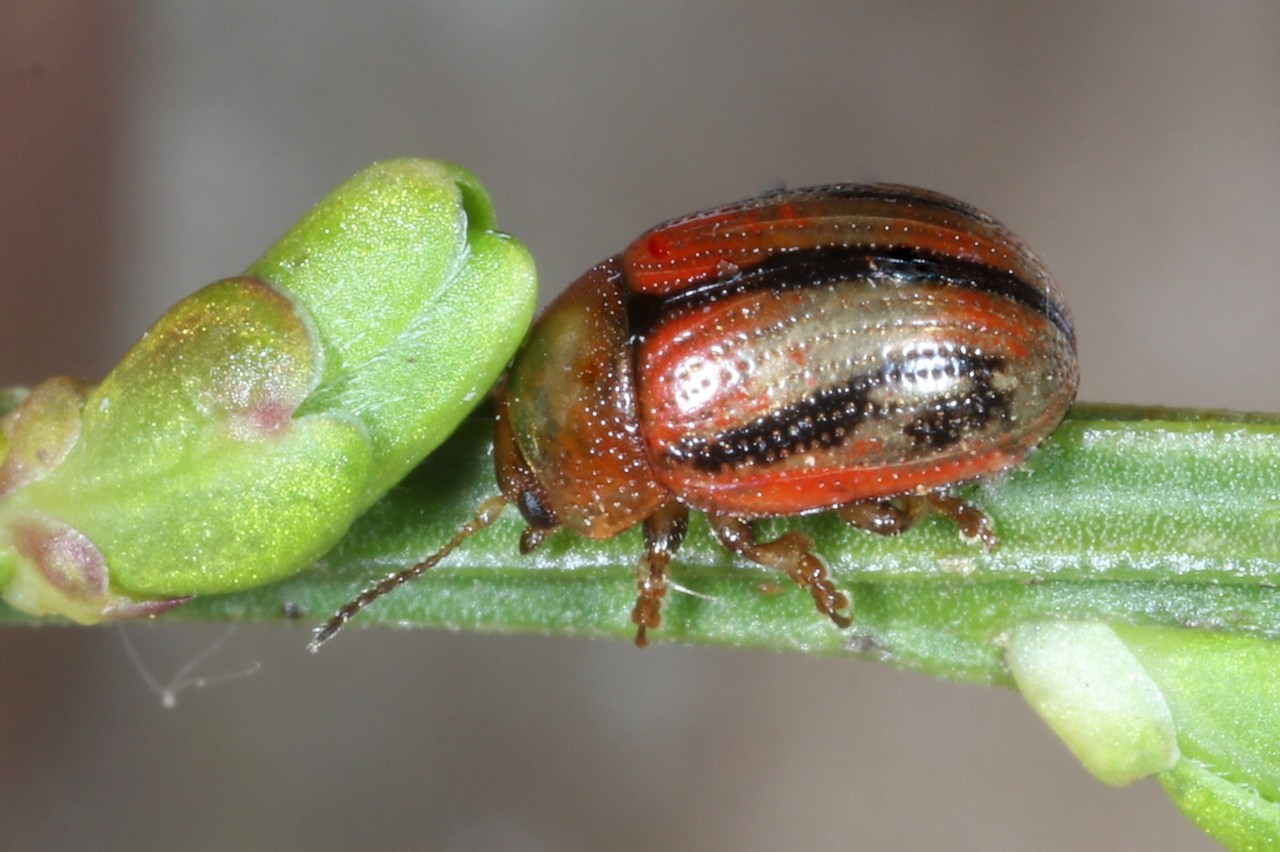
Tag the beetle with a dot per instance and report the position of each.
(856, 348)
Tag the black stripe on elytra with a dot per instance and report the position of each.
(888, 192)
(951, 418)
(831, 416)
(817, 267)
(819, 421)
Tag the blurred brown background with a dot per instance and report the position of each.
(148, 148)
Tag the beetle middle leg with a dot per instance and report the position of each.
(791, 552)
(890, 517)
(883, 517)
(663, 532)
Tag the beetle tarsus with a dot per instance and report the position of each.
(663, 532)
(890, 517)
(974, 523)
(792, 553)
(651, 580)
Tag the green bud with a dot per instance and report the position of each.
(242, 435)
(1096, 696)
(1199, 709)
(417, 303)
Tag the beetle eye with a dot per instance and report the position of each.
(535, 510)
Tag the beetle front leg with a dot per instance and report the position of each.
(791, 552)
(663, 532)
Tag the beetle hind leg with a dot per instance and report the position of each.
(791, 552)
(890, 517)
(663, 532)
(974, 523)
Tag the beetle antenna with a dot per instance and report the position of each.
(490, 510)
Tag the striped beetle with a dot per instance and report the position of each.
(861, 349)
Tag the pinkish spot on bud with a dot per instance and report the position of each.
(269, 417)
(73, 565)
(65, 556)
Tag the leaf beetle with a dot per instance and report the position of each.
(856, 348)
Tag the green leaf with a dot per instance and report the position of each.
(1224, 693)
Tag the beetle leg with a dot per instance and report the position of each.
(883, 517)
(791, 552)
(972, 520)
(890, 517)
(663, 532)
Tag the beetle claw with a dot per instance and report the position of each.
(791, 552)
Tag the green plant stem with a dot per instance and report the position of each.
(1126, 515)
